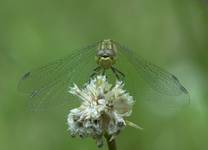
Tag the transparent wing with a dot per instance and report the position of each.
(48, 85)
(167, 89)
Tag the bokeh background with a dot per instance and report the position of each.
(170, 33)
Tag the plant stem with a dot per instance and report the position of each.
(111, 143)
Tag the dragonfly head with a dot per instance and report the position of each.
(106, 53)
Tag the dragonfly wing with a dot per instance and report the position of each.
(51, 81)
(161, 81)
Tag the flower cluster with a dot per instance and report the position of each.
(102, 111)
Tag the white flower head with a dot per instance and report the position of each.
(102, 110)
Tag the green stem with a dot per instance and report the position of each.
(111, 143)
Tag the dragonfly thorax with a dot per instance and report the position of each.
(106, 53)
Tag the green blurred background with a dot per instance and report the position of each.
(170, 33)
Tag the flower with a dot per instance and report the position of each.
(102, 111)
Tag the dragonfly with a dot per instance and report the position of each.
(49, 84)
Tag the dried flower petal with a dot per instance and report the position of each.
(102, 110)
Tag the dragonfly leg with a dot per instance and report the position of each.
(103, 73)
(121, 73)
(93, 74)
(95, 71)
(97, 68)
(115, 72)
